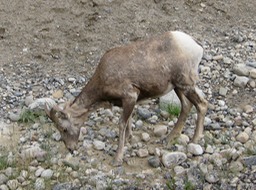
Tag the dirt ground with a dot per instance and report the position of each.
(69, 36)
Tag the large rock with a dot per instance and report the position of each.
(241, 70)
(170, 159)
(241, 81)
(170, 98)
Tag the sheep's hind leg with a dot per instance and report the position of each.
(196, 97)
(185, 109)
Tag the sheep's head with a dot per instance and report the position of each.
(68, 121)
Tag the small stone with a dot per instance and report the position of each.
(249, 161)
(39, 184)
(14, 117)
(108, 113)
(227, 60)
(242, 137)
(29, 100)
(13, 184)
(183, 139)
(58, 94)
(207, 121)
(154, 161)
(47, 174)
(170, 159)
(211, 177)
(142, 153)
(106, 132)
(160, 130)
(248, 109)
(144, 113)
(3, 179)
(39, 172)
(139, 124)
(98, 145)
(72, 162)
(223, 91)
(179, 170)
(33, 152)
(195, 149)
(236, 166)
(253, 73)
(209, 149)
(4, 187)
(252, 83)
(241, 70)
(221, 103)
(241, 81)
(71, 79)
(217, 57)
(56, 136)
(145, 137)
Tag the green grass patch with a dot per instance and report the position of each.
(31, 116)
(189, 186)
(171, 184)
(3, 162)
(173, 109)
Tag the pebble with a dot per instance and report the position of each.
(242, 137)
(154, 161)
(145, 137)
(171, 159)
(253, 73)
(183, 139)
(39, 172)
(160, 130)
(195, 149)
(13, 184)
(47, 174)
(3, 178)
(99, 145)
(179, 170)
(241, 81)
(248, 109)
(223, 91)
(211, 177)
(58, 94)
(39, 184)
(142, 153)
(139, 124)
(236, 166)
(144, 113)
(241, 70)
(14, 117)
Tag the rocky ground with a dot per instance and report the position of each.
(49, 49)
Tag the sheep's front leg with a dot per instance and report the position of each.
(185, 109)
(128, 104)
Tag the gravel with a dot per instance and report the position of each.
(33, 157)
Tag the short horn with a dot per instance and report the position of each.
(51, 113)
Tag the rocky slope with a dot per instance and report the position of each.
(49, 49)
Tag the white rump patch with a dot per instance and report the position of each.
(188, 45)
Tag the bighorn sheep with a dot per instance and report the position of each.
(128, 74)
